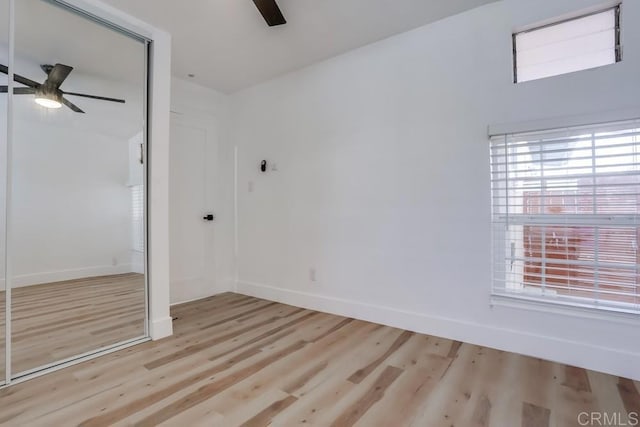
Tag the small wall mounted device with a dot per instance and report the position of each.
(263, 166)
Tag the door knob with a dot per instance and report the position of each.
(209, 217)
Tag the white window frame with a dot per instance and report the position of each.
(617, 47)
(567, 305)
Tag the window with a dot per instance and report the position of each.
(571, 45)
(137, 215)
(566, 212)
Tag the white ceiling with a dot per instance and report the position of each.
(228, 46)
(48, 34)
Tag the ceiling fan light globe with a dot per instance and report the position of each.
(48, 103)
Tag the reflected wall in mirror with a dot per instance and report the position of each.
(4, 56)
(77, 205)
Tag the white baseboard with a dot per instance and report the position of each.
(193, 289)
(161, 328)
(213, 294)
(580, 354)
(70, 274)
(191, 300)
(228, 284)
(188, 289)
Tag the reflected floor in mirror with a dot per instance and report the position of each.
(56, 321)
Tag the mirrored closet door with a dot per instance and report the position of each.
(76, 203)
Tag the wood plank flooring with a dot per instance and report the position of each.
(54, 321)
(241, 361)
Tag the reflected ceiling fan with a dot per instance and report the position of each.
(270, 12)
(49, 94)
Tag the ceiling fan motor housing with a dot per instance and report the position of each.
(46, 68)
(49, 91)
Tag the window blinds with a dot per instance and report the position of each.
(578, 44)
(137, 216)
(566, 209)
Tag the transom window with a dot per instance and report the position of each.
(570, 45)
(566, 211)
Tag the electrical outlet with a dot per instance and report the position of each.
(114, 261)
(250, 187)
(312, 275)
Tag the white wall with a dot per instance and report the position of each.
(383, 181)
(71, 205)
(206, 110)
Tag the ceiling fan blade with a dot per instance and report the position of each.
(58, 74)
(270, 12)
(19, 90)
(20, 79)
(71, 105)
(101, 98)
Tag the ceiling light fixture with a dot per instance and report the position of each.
(48, 103)
(48, 98)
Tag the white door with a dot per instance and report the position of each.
(191, 235)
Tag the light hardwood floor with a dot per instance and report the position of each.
(241, 361)
(55, 321)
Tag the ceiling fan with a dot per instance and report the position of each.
(49, 94)
(270, 12)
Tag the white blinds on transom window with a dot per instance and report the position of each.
(578, 44)
(566, 209)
